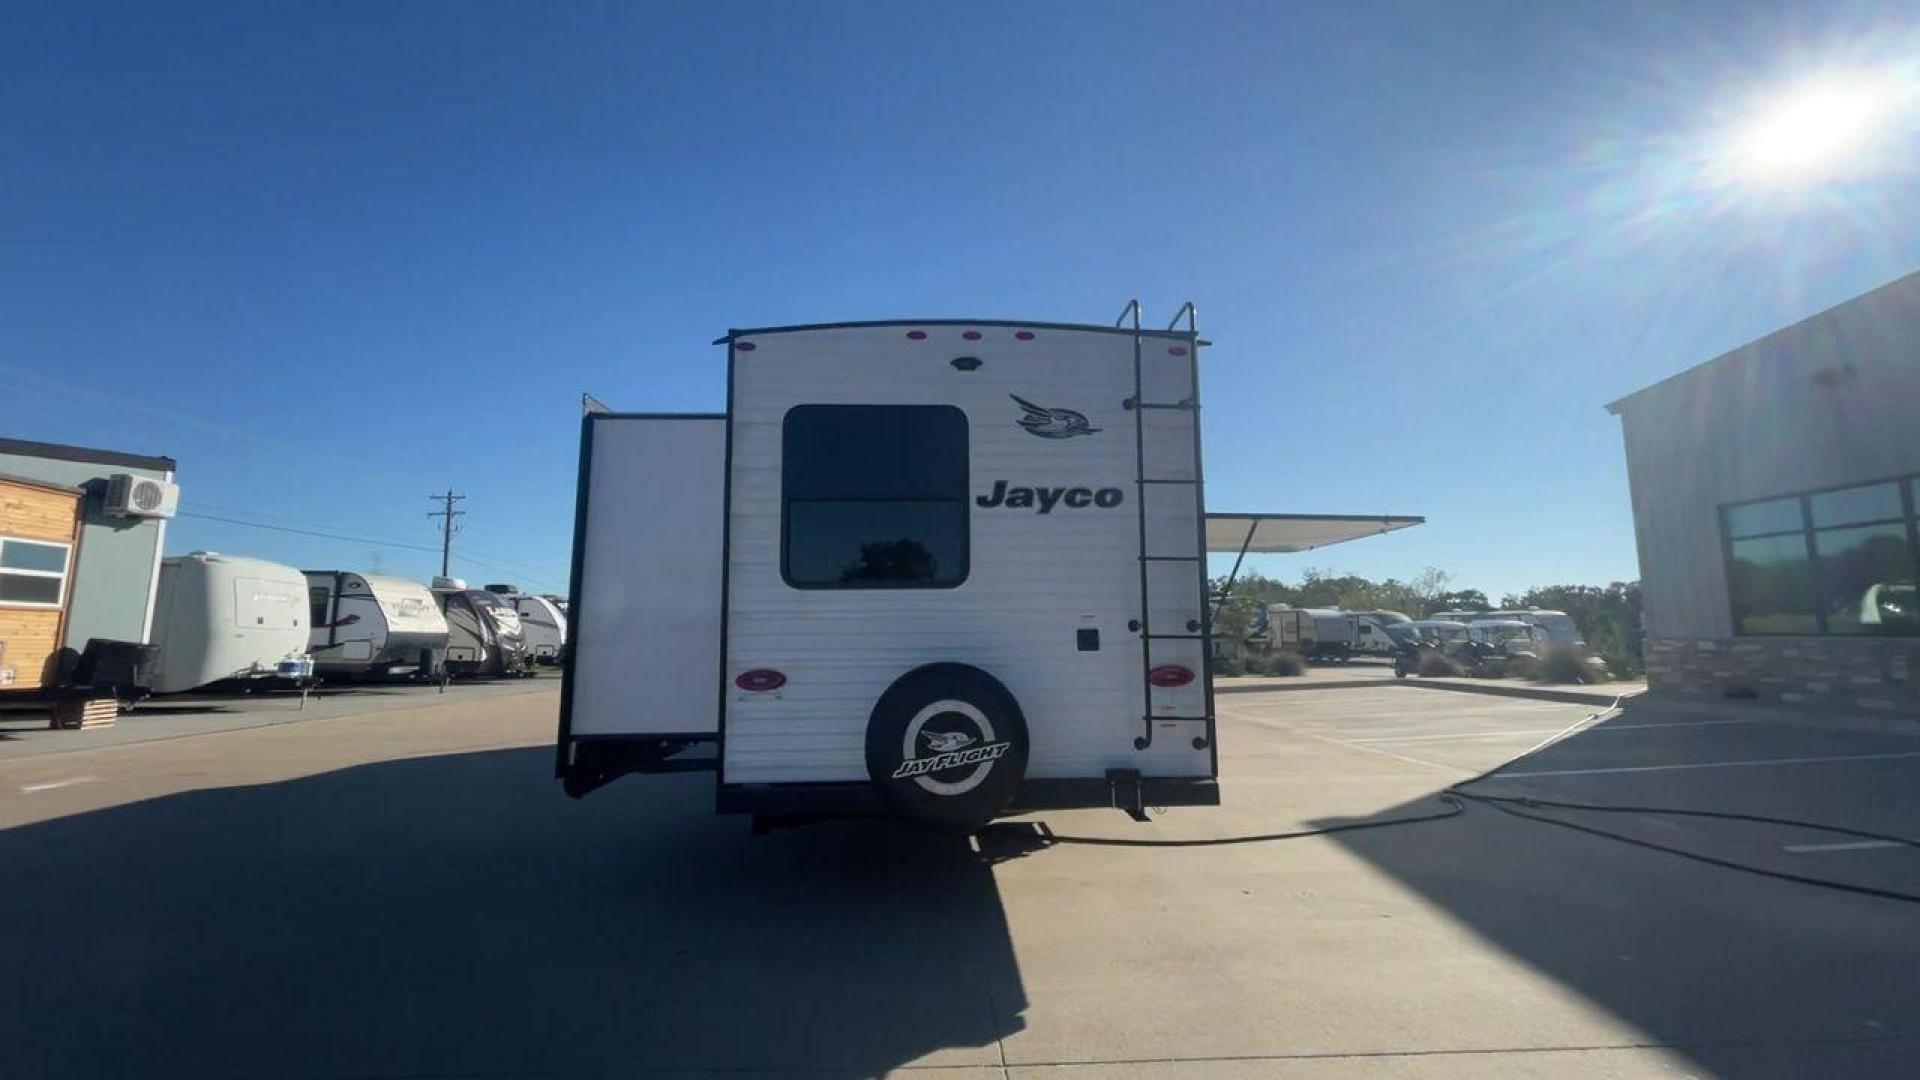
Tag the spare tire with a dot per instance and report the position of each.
(948, 745)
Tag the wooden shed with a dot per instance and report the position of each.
(39, 540)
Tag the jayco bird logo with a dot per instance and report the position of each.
(1052, 423)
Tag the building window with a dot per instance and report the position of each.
(33, 573)
(1839, 561)
(874, 497)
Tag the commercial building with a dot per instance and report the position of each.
(81, 532)
(1775, 491)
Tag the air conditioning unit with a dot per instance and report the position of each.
(137, 496)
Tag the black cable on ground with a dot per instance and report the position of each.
(1456, 796)
(1451, 796)
(1725, 864)
(1454, 809)
(1718, 815)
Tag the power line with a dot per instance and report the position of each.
(309, 532)
(545, 573)
(533, 579)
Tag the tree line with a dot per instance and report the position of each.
(1608, 615)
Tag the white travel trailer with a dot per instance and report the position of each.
(223, 617)
(1371, 636)
(364, 625)
(1315, 633)
(1510, 636)
(941, 569)
(1441, 632)
(1559, 626)
(542, 623)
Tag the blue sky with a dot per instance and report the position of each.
(335, 257)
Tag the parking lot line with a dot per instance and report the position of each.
(1711, 765)
(1458, 735)
(51, 785)
(1843, 845)
(1549, 731)
(1278, 726)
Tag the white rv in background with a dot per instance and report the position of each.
(1371, 632)
(1559, 626)
(1441, 632)
(224, 617)
(1511, 636)
(945, 570)
(1315, 633)
(369, 626)
(541, 621)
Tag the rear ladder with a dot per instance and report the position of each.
(1151, 474)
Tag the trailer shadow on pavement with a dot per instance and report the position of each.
(456, 914)
(1747, 975)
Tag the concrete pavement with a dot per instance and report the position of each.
(407, 893)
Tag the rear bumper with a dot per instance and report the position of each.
(1099, 793)
(590, 762)
(862, 799)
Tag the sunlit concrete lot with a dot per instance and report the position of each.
(401, 890)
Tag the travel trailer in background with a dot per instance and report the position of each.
(224, 617)
(1511, 636)
(366, 626)
(945, 570)
(1315, 633)
(1559, 626)
(1441, 632)
(1372, 634)
(81, 531)
(541, 621)
(483, 633)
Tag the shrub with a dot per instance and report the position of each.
(1228, 666)
(1435, 664)
(1286, 663)
(1561, 664)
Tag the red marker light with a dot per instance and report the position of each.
(761, 680)
(971, 335)
(1178, 350)
(1169, 676)
(744, 346)
(916, 335)
(1023, 335)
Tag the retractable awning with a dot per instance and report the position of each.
(1273, 534)
(1281, 533)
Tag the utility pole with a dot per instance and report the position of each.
(446, 513)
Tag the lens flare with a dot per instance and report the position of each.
(1818, 128)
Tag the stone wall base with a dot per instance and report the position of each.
(1856, 675)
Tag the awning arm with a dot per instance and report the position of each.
(1227, 589)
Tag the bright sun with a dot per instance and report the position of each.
(1814, 128)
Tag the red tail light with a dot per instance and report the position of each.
(761, 680)
(1168, 676)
